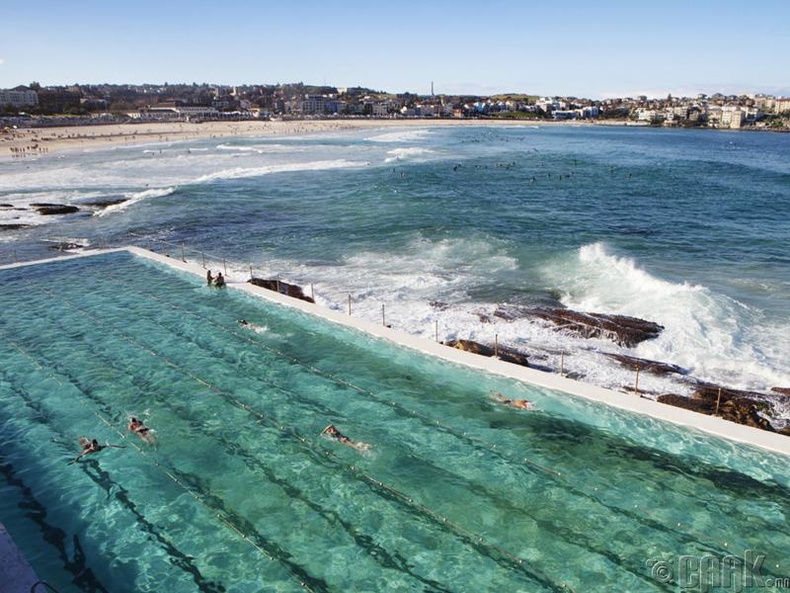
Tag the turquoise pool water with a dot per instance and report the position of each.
(242, 493)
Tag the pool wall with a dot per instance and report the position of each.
(630, 402)
(16, 575)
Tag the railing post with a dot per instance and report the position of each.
(349, 304)
(636, 383)
(718, 400)
(496, 345)
(383, 320)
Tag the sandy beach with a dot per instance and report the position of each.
(21, 142)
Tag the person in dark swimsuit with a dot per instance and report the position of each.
(141, 430)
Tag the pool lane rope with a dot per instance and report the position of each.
(637, 509)
(479, 541)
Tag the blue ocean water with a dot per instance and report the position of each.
(438, 227)
(242, 493)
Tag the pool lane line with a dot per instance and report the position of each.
(178, 558)
(255, 541)
(478, 542)
(638, 516)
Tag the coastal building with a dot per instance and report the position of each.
(731, 117)
(18, 97)
(782, 105)
(313, 105)
(175, 113)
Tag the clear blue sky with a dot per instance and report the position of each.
(594, 49)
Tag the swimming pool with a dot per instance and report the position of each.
(242, 493)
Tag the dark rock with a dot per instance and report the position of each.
(623, 330)
(742, 407)
(651, 366)
(66, 246)
(781, 390)
(14, 227)
(105, 202)
(291, 290)
(49, 209)
(681, 401)
(503, 353)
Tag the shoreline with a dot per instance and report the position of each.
(34, 141)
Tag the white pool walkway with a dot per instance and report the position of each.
(633, 403)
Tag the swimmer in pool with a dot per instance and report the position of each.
(334, 433)
(88, 446)
(523, 404)
(92, 446)
(141, 430)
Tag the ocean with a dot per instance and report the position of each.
(438, 230)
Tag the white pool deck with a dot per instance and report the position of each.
(709, 424)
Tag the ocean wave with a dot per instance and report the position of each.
(713, 336)
(243, 172)
(262, 148)
(401, 136)
(134, 198)
(400, 154)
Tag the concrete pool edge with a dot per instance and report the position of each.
(712, 425)
(16, 574)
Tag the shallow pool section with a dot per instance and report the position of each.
(240, 491)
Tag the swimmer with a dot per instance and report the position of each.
(523, 404)
(142, 431)
(219, 281)
(92, 446)
(334, 433)
(209, 278)
(251, 326)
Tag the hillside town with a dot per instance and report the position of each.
(108, 103)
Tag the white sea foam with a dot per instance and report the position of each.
(263, 148)
(401, 136)
(711, 335)
(402, 154)
(242, 172)
(134, 198)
